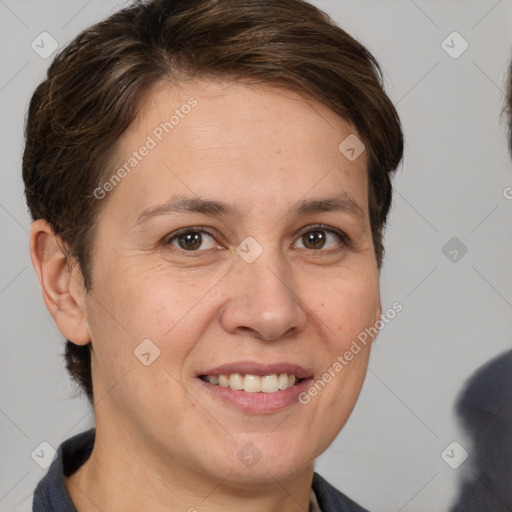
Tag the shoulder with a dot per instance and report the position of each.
(330, 499)
(488, 389)
(51, 494)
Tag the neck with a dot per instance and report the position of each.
(126, 473)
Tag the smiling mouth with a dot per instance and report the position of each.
(250, 383)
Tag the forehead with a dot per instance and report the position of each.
(257, 144)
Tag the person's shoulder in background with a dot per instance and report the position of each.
(484, 409)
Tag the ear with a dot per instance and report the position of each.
(61, 283)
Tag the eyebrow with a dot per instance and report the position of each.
(177, 204)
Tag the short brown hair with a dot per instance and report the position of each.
(95, 86)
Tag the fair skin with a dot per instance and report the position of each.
(165, 439)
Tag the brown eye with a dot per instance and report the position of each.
(191, 240)
(314, 239)
(318, 237)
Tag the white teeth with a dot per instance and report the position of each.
(283, 381)
(269, 383)
(254, 383)
(236, 381)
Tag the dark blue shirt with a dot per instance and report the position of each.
(51, 494)
(484, 408)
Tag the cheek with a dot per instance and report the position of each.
(349, 307)
(168, 306)
(150, 302)
(125, 311)
(132, 317)
(169, 309)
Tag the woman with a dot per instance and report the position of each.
(209, 181)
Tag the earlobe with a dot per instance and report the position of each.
(61, 283)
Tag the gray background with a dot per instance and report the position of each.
(456, 316)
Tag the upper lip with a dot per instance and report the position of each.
(255, 368)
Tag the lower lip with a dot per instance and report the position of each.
(258, 403)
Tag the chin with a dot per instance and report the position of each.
(262, 475)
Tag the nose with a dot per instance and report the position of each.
(264, 299)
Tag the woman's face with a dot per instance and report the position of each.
(238, 280)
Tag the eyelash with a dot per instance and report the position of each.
(344, 239)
